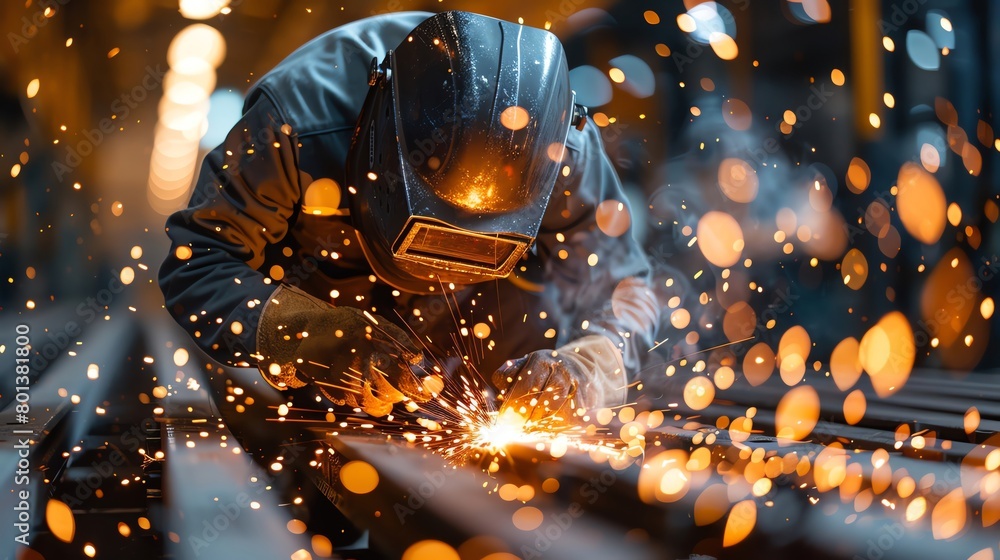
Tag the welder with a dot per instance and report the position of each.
(394, 182)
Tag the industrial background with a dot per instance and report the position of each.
(816, 184)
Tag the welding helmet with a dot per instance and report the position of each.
(457, 149)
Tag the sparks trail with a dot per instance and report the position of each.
(462, 421)
(657, 345)
(716, 347)
(463, 424)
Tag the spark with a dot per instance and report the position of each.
(463, 422)
(506, 428)
(658, 344)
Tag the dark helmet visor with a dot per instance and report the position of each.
(459, 147)
(483, 129)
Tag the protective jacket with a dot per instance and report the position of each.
(270, 206)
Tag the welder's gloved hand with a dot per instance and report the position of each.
(551, 385)
(353, 357)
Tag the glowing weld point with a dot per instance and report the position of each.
(508, 427)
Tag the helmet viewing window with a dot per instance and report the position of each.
(455, 249)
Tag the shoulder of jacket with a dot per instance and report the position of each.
(322, 84)
(584, 141)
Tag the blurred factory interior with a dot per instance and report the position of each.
(844, 152)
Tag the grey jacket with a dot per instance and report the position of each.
(253, 222)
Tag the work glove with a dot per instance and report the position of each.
(554, 385)
(353, 357)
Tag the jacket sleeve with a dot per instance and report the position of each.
(247, 191)
(596, 271)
